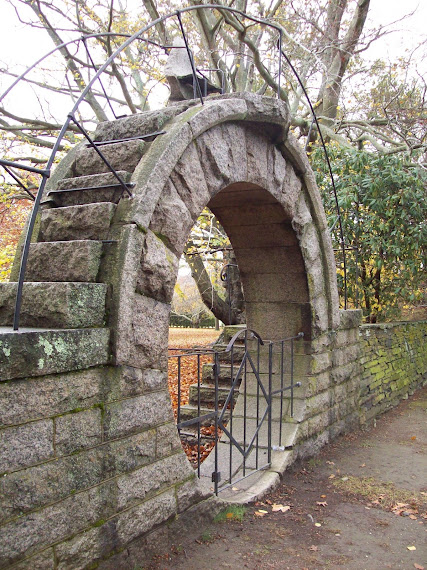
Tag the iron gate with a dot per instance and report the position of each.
(236, 409)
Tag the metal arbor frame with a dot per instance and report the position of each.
(71, 118)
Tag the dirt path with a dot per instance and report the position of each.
(358, 505)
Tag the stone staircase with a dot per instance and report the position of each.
(201, 399)
(66, 287)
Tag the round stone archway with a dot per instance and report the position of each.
(236, 156)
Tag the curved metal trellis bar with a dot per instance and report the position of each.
(71, 115)
(331, 174)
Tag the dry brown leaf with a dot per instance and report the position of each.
(411, 548)
(418, 566)
(282, 508)
(322, 503)
(261, 513)
(413, 438)
(331, 476)
(413, 517)
(323, 496)
(314, 548)
(330, 463)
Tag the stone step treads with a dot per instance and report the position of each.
(138, 125)
(207, 394)
(123, 155)
(189, 412)
(224, 376)
(55, 305)
(88, 189)
(225, 357)
(82, 222)
(41, 352)
(76, 260)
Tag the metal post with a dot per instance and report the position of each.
(269, 403)
(216, 374)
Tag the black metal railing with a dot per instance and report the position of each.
(87, 91)
(237, 405)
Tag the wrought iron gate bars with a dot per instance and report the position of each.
(222, 415)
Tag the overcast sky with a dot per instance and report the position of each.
(20, 44)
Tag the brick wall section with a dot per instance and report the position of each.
(393, 365)
(88, 459)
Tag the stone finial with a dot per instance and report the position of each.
(179, 73)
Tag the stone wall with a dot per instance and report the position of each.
(327, 402)
(87, 464)
(90, 456)
(393, 365)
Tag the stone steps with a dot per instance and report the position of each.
(189, 412)
(88, 189)
(63, 351)
(55, 305)
(76, 260)
(121, 155)
(81, 222)
(224, 376)
(207, 394)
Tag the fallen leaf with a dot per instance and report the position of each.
(269, 502)
(363, 465)
(344, 478)
(413, 517)
(418, 566)
(323, 496)
(317, 524)
(314, 548)
(229, 515)
(331, 476)
(322, 503)
(330, 463)
(411, 548)
(283, 508)
(235, 488)
(260, 513)
(414, 437)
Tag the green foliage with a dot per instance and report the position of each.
(231, 513)
(13, 213)
(384, 209)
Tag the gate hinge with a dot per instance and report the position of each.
(216, 476)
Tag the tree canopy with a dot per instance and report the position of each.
(365, 110)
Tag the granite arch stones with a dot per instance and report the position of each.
(236, 156)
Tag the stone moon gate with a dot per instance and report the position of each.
(92, 459)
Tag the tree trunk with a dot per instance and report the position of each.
(210, 297)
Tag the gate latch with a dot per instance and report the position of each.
(216, 476)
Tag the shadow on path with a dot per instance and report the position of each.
(358, 505)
